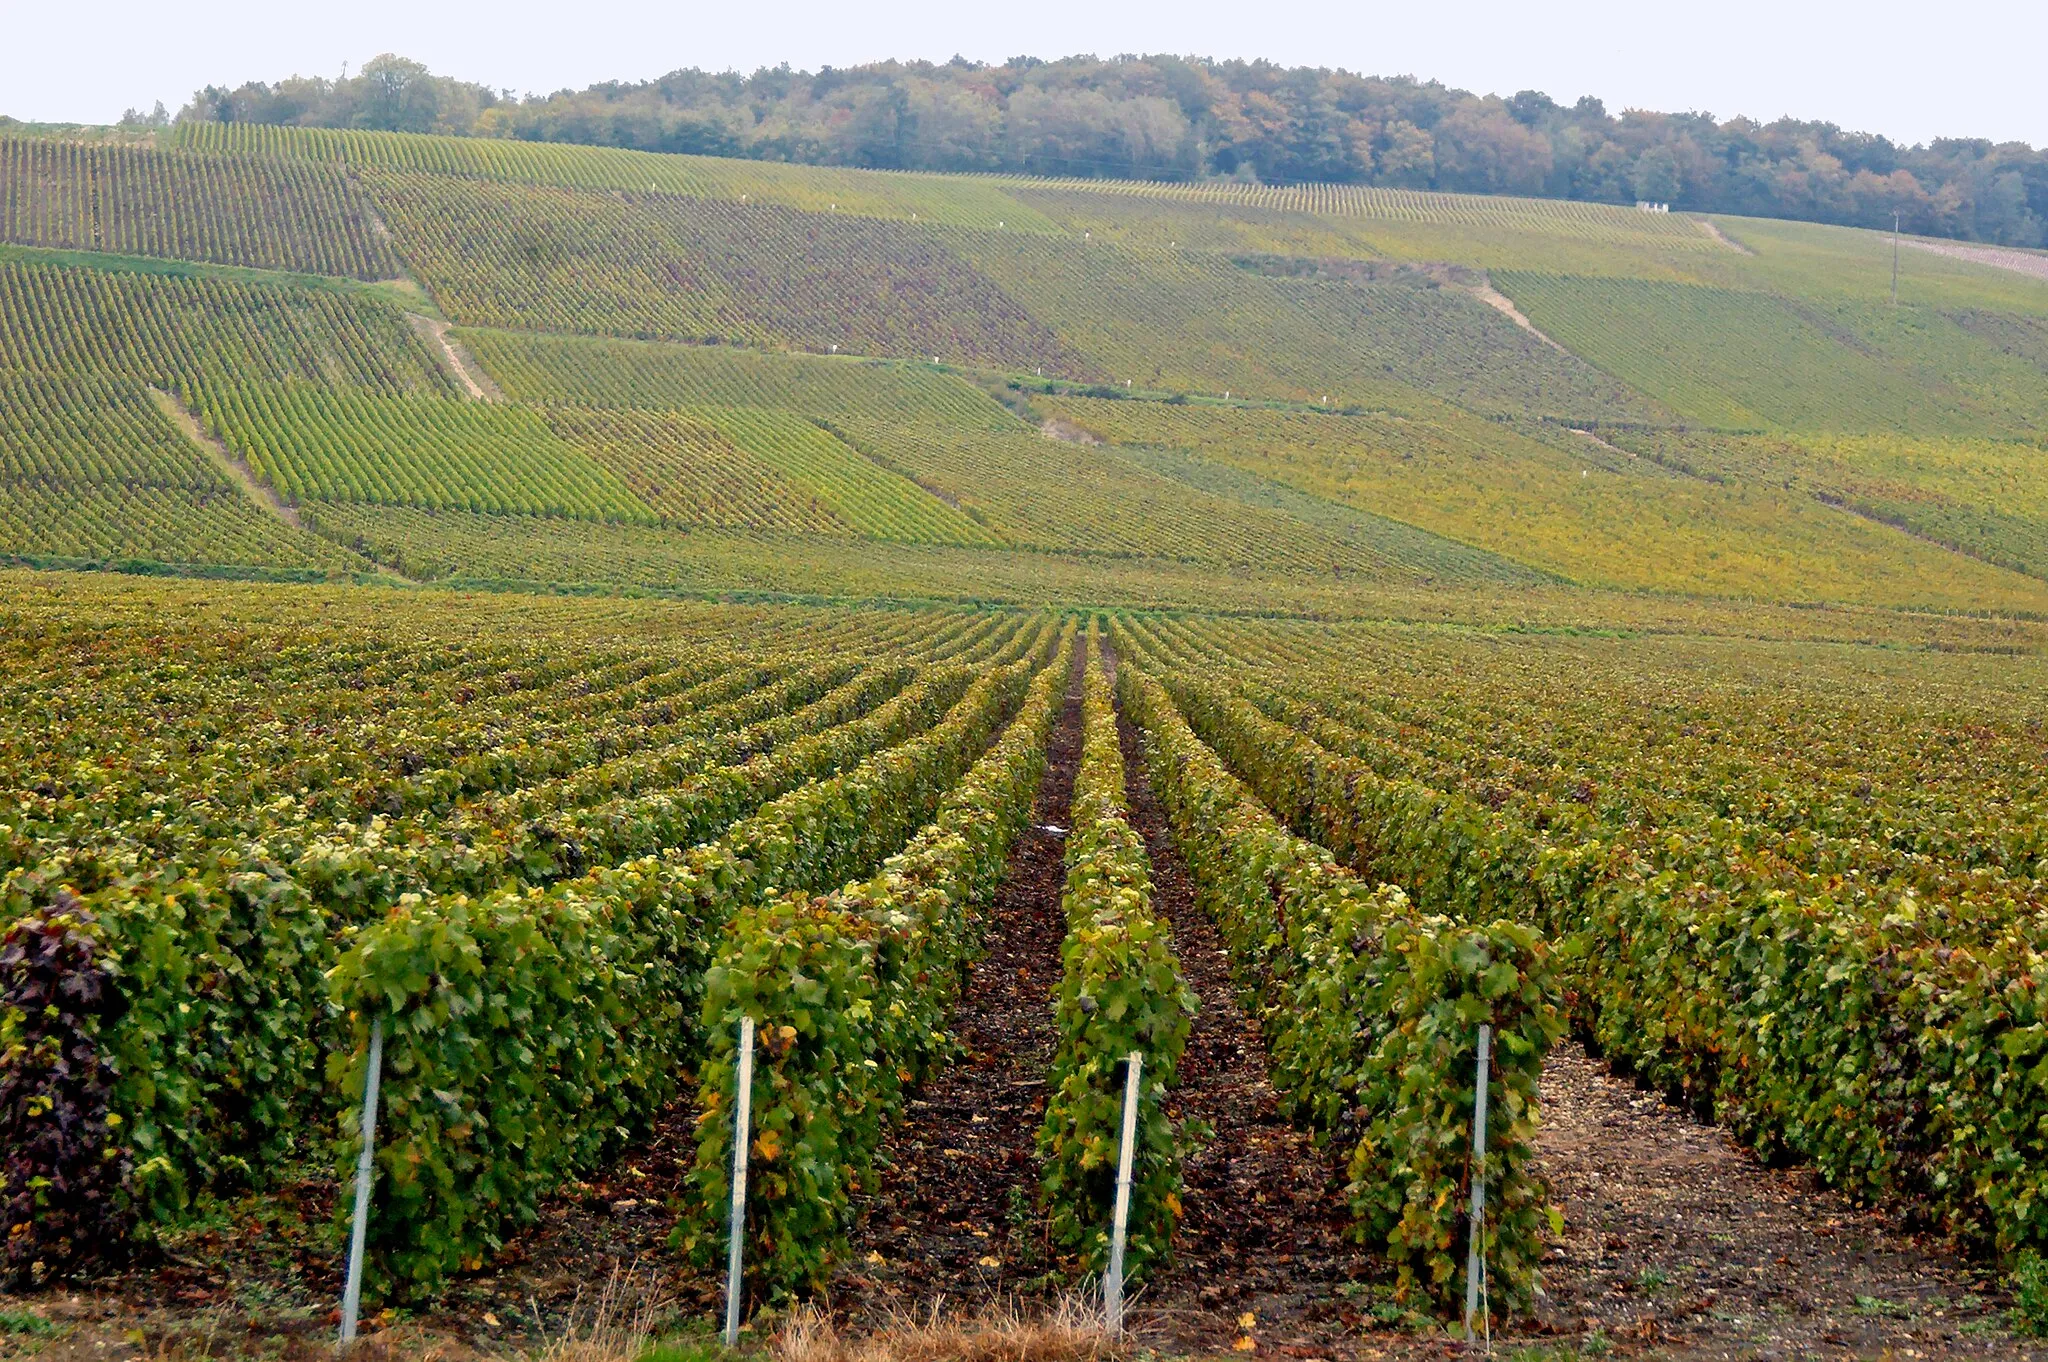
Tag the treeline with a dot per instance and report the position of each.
(1174, 118)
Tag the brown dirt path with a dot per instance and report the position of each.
(1265, 1216)
(1486, 293)
(2032, 263)
(955, 1216)
(1680, 1244)
(1713, 229)
(224, 459)
(460, 362)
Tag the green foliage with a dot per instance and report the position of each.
(286, 215)
(690, 472)
(1698, 951)
(686, 1349)
(1392, 547)
(223, 889)
(64, 429)
(753, 467)
(315, 444)
(1298, 295)
(678, 796)
(1742, 359)
(175, 331)
(1446, 850)
(1062, 497)
(1564, 502)
(2030, 1293)
(1371, 1012)
(1409, 1159)
(84, 524)
(586, 989)
(597, 372)
(852, 994)
(1258, 146)
(1200, 323)
(947, 198)
(1120, 993)
(1799, 907)
(1808, 261)
(872, 499)
(214, 1046)
(1978, 497)
(1319, 224)
(527, 1034)
(25, 1322)
(530, 553)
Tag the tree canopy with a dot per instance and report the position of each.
(1180, 118)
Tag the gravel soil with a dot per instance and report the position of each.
(1680, 1243)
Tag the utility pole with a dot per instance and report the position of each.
(1895, 258)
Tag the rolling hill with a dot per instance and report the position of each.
(230, 352)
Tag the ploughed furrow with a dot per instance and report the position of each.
(1263, 1229)
(954, 1212)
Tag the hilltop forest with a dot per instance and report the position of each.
(1163, 117)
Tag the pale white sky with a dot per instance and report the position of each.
(1908, 70)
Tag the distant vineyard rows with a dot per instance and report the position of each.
(279, 215)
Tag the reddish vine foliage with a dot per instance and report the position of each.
(63, 1181)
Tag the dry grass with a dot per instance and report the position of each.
(1072, 1332)
(618, 1325)
(620, 1322)
(629, 1318)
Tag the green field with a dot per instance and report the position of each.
(283, 215)
(1326, 387)
(313, 444)
(177, 329)
(637, 819)
(1739, 359)
(1562, 501)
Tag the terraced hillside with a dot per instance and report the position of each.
(709, 374)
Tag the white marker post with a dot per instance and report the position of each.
(743, 1107)
(1475, 1261)
(352, 1293)
(1113, 1280)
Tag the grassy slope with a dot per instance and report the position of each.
(1737, 358)
(1572, 508)
(1805, 260)
(1984, 497)
(951, 439)
(1789, 332)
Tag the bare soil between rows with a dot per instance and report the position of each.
(1677, 1243)
(954, 1218)
(1263, 1232)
